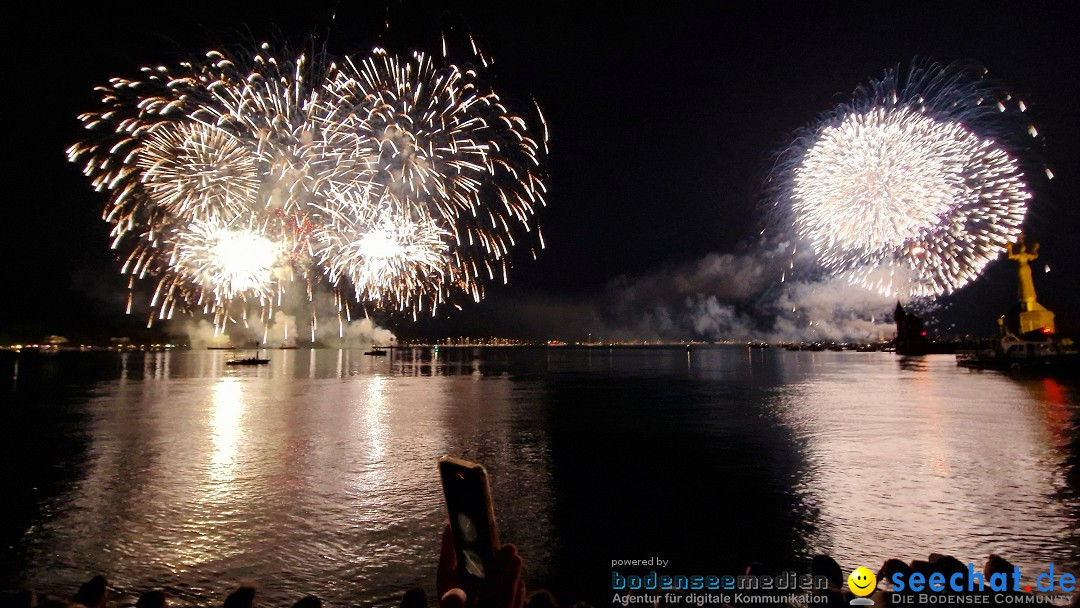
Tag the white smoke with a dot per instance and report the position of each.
(747, 295)
(281, 331)
(202, 334)
(364, 332)
(742, 296)
(318, 322)
(832, 309)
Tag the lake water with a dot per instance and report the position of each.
(316, 473)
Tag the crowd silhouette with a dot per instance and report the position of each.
(505, 588)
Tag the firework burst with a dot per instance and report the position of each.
(238, 177)
(226, 262)
(382, 247)
(198, 171)
(908, 189)
(443, 145)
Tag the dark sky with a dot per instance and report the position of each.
(663, 117)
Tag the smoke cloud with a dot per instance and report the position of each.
(298, 322)
(742, 296)
(746, 295)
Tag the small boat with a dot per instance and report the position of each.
(376, 352)
(247, 361)
(1029, 342)
(1034, 351)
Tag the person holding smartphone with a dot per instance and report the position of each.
(475, 571)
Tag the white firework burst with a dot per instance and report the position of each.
(893, 189)
(909, 188)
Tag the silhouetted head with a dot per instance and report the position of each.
(93, 593)
(244, 597)
(542, 599)
(995, 564)
(893, 566)
(824, 565)
(948, 565)
(151, 599)
(923, 568)
(414, 598)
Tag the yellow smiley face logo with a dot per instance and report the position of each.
(862, 581)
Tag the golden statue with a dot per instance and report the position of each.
(1032, 315)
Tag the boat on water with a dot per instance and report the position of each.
(1028, 339)
(247, 361)
(376, 352)
(1030, 352)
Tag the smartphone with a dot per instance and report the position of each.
(472, 515)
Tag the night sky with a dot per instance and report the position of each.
(664, 118)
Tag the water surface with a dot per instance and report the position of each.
(316, 473)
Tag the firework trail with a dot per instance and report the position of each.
(908, 188)
(396, 183)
